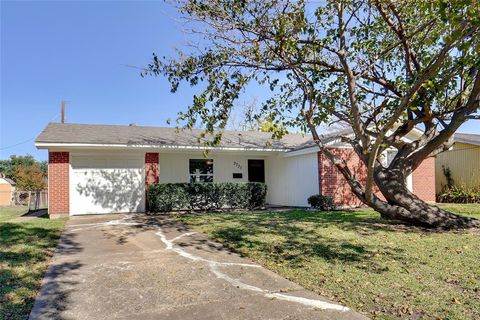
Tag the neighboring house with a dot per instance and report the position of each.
(104, 168)
(463, 160)
(7, 187)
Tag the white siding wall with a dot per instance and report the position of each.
(464, 163)
(292, 180)
(174, 167)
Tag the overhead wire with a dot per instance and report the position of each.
(28, 140)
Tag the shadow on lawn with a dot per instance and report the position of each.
(23, 249)
(301, 246)
(361, 221)
(296, 244)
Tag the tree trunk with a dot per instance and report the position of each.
(401, 204)
(405, 206)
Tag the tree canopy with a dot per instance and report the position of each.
(26, 171)
(30, 178)
(383, 68)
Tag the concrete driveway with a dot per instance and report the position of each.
(144, 267)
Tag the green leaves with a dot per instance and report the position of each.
(206, 196)
(294, 51)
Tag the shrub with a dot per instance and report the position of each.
(324, 203)
(448, 176)
(206, 196)
(257, 193)
(236, 195)
(455, 194)
(166, 197)
(196, 196)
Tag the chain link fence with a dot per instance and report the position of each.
(33, 200)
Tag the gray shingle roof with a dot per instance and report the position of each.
(163, 136)
(467, 138)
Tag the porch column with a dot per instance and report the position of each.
(151, 168)
(152, 172)
(58, 184)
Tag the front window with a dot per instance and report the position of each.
(201, 170)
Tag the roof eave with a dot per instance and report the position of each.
(466, 141)
(63, 145)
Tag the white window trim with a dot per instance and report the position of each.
(198, 175)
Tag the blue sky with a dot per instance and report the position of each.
(81, 52)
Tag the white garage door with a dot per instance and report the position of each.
(107, 184)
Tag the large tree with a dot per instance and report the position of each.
(30, 178)
(8, 167)
(383, 68)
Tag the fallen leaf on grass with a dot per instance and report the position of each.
(456, 301)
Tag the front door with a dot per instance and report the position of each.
(256, 170)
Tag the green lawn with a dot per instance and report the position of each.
(25, 249)
(382, 269)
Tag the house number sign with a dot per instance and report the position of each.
(237, 165)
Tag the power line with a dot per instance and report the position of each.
(28, 140)
(17, 144)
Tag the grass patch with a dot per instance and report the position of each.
(10, 213)
(25, 249)
(382, 269)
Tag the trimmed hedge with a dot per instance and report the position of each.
(206, 196)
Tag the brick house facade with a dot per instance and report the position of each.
(332, 183)
(424, 180)
(99, 169)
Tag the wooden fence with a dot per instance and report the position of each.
(34, 200)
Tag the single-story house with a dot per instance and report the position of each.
(463, 160)
(7, 187)
(104, 168)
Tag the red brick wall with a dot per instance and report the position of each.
(332, 183)
(423, 180)
(58, 183)
(151, 168)
(152, 172)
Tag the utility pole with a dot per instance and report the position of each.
(62, 112)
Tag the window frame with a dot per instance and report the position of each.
(197, 177)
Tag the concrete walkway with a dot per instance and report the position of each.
(143, 267)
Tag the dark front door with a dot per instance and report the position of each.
(256, 170)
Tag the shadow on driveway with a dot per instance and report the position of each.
(153, 267)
